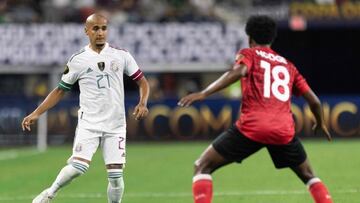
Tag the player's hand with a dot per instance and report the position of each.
(28, 121)
(191, 98)
(140, 111)
(322, 129)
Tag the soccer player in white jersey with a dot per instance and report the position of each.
(99, 70)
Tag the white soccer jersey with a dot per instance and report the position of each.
(100, 77)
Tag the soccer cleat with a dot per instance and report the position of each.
(43, 197)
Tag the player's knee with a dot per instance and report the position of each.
(80, 166)
(114, 166)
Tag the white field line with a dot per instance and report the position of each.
(13, 154)
(179, 194)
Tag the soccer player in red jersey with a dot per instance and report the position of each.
(268, 82)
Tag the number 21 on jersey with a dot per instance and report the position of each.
(273, 88)
(99, 79)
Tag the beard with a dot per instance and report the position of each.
(100, 45)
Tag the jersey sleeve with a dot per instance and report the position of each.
(300, 86)
(132, 69)
(70, 75)
(247, 58)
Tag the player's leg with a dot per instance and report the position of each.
(293, 155)
(304, 171)
(115, 189)
(317, 188)
(209, 161)
(113, 148)
(76, 167)
(229, 147)
(83, 150)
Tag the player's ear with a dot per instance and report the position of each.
(86, 30)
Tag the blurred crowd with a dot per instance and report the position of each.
(27, 11)
(137, 11)
(164, 85)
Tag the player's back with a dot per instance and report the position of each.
(266, 104)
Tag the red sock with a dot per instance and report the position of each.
(318, 191)
(202, 188)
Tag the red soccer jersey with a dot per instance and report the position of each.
(267, 88)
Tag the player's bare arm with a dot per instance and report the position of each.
(315, 106)
(51, 100)
(223, 81)
(141, 110)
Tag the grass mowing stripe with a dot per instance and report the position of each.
(180, 194)
(14, 154)
(152, 175)
(8, 155)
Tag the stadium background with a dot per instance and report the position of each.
(181, 45)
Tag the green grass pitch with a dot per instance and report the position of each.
(162, 173)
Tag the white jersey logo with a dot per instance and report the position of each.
(114, 66)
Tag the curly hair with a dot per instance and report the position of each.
(262, 29)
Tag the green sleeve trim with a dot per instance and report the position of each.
(65, 86)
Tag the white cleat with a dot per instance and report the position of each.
(43, 197)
